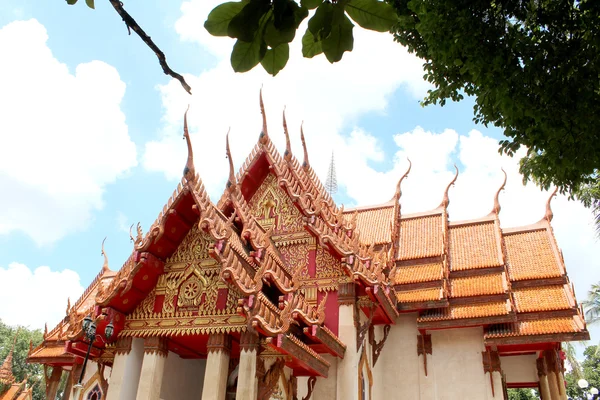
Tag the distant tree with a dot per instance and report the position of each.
(591, 373)
(522, 394)
(20, 368)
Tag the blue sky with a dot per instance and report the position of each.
(92, 139)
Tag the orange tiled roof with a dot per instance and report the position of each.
(542, 299)
(52, 351)
(374, 223)
(12, 392)
(530, 255)
(474, 246)
(420, 237)
(466, 311)
(418, 273)
(418, 295)
(536, 327)
(478, 285)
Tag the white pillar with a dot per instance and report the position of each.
(155, 355)
(347, 369)
(217, 367)
(247, 383)
(125, 372)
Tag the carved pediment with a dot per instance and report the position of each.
(272, 207)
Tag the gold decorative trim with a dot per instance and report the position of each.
(156, 345)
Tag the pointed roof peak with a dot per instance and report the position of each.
(6, 374)
(264, 134)
(496, 209)
(549, 214)
(105, 265)
(305, 163)
(189, 172)
(288, 146)
(231, 182)
(446, 199)
(399, 184)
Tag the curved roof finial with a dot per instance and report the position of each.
(446, 199)
(398, 185)
(288, 146)
(189, 172)
(264, 134)
(549, 214)
(496, 209)
(105, 265)
(231, 182)
(305, 163)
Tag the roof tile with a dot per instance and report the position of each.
(474, 246)
(420, 237)
(530, 256)
(478, 285)
(374, 223)
(546, 298)
(466, 311)
(536, 327)
(418, 273)
(418, 295)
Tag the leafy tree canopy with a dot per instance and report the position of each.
(533, 67)
(20, 368)
(521, 394)
(591, 373)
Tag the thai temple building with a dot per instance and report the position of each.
(276, 292)
(10, 389)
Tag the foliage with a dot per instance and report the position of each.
(589, 194)
(20, 368)
(592, 304)
(532, 66)
(591, 373)
(521, 394)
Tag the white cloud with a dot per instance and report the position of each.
(326, 96)
(123, 222)
(32, 298)
(63, 136)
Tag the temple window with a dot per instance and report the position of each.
(95, 393)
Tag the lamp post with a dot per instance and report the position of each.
(89, 331)
(591, 393)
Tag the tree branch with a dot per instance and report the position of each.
(133, 25)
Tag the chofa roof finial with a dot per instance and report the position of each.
(105, 265)
(288, 146)
(446, 199)
(305, 163)
(496, 209)
(549, 214)
(264, 134)
(231, 182)
(398, 185)
(189, 172)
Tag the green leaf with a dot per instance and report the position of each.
(372, 14)
(340, 40)
(310, 4)
(245, 24)
(320, 23)
(246, 55)
(275, 59)
(71, 2)
(219, 18)
(311, 46)
(274, 37)
(90, 3)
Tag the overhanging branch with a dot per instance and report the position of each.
(133, 25)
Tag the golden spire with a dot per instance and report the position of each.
(189, 172)
(305, 163)
(398, 190)
(105, 265)
(549, 214)
(496, 209)
(231, 182)
(446, 199)
(288, 146)
(6, 374)
(264, 135)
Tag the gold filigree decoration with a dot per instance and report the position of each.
(271, 206)
(194, 247)
(327, 266)
(296, 257)
(190, 291)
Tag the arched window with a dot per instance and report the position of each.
(95, 393)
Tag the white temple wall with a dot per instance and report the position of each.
(182, 378)
(125, 375)
(457, 364)
(397, 370)
(520, 368)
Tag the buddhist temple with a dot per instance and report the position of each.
(10, 389)
(276, 292)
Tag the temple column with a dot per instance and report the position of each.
(217, 367)
(247, 383)
(52, 382)
(125, 372)
(551, 367)
(542, 371)
(71, 380)
(155, 355)
(347, 371)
